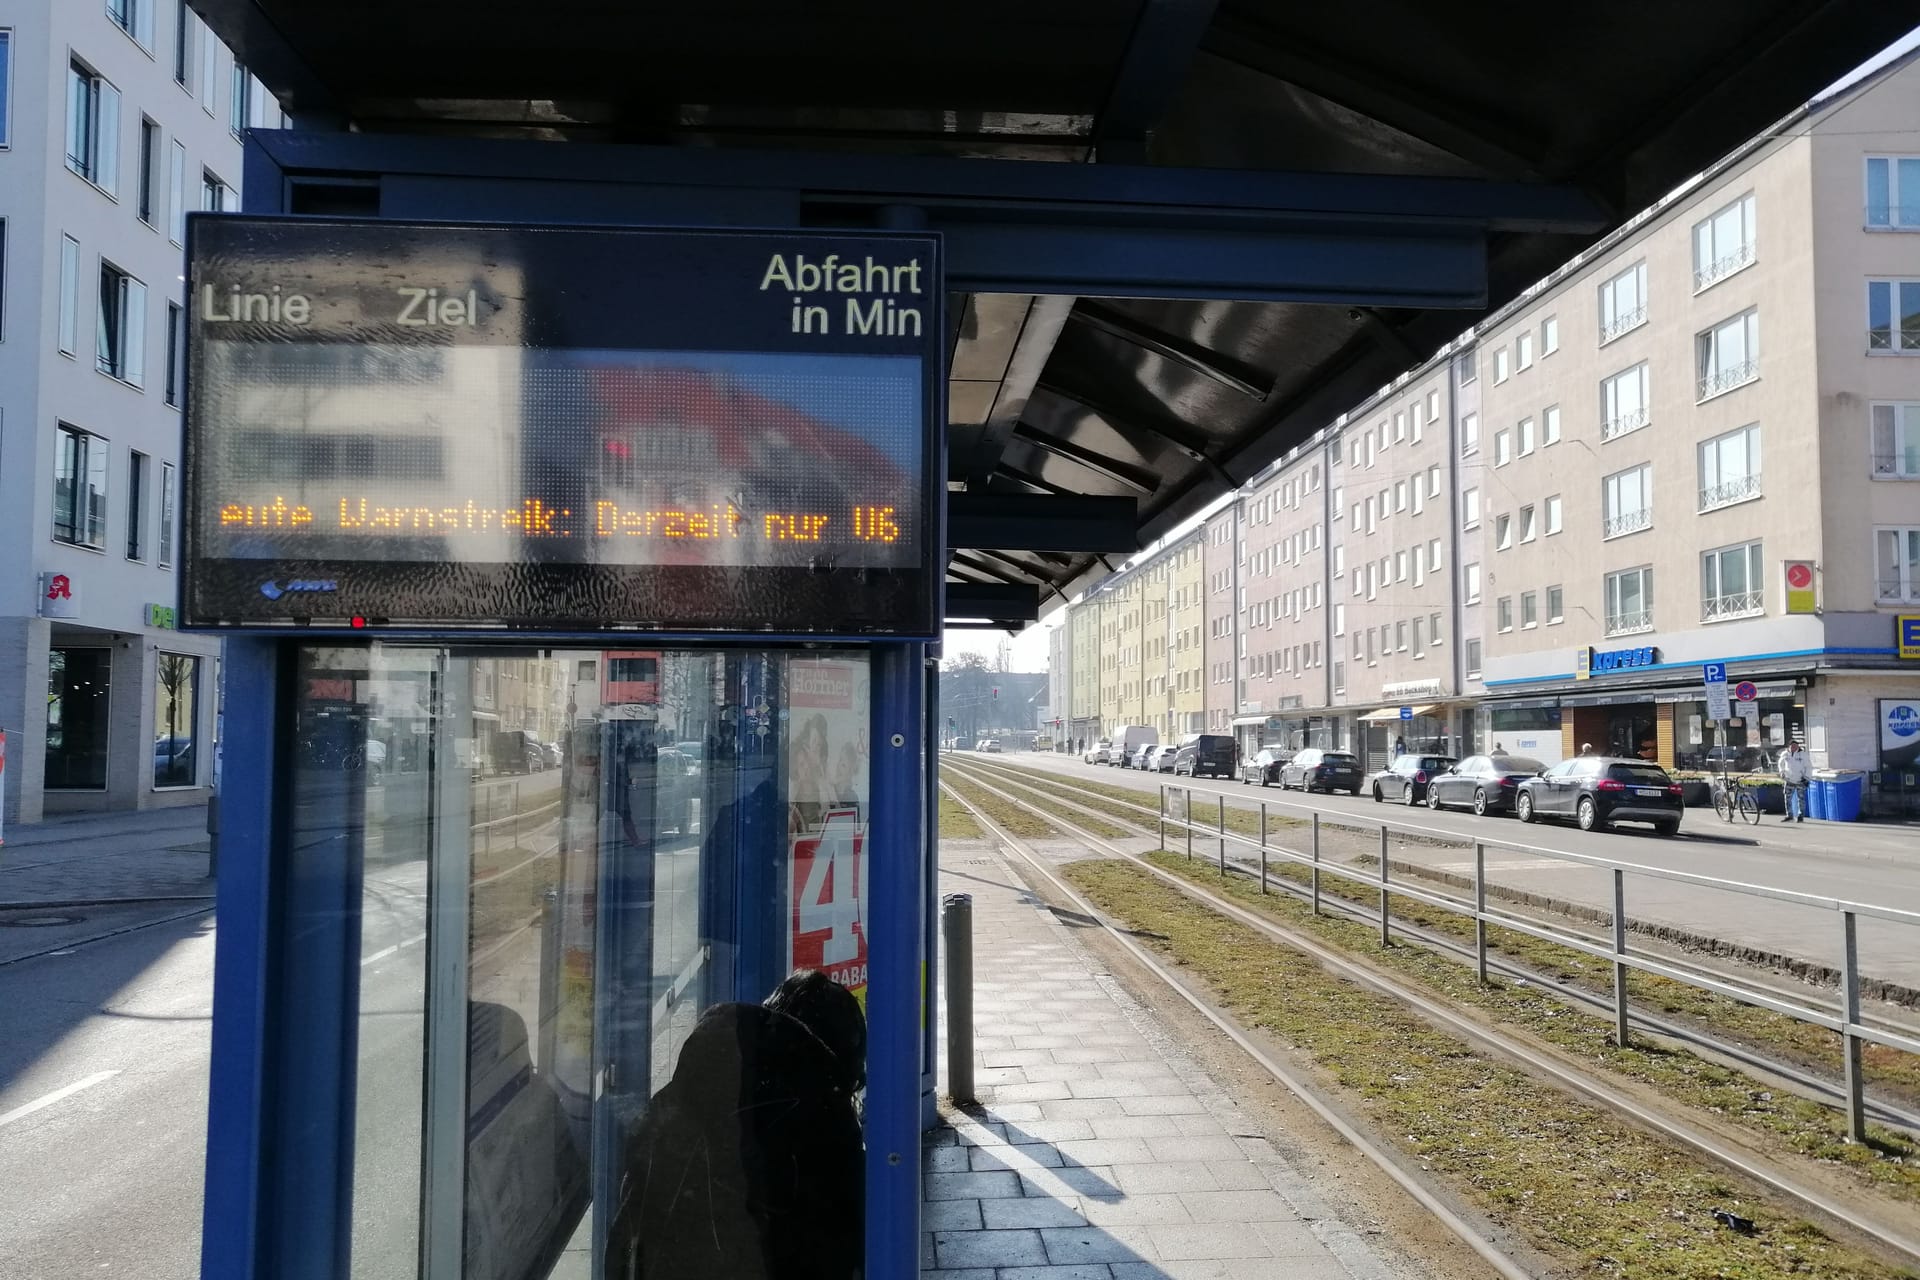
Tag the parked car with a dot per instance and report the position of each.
(1317, 769)
(1598, 791)
(1130, 739)
(1097, 753)
(1161, 759)
(1210, 754)
(552, 751)
(1485, 784)
(991, 745)
(1405, 780)
(1264, 767)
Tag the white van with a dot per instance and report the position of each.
(1129, 740)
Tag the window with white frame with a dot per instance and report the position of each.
(1626, 501)
(1399, 566)
(1400, 426)
(165, 556)
(215, 195)
(1418, 496)
(1893, 315)
(1550, 425)
(6, 79)
(1523, 351)
(1896, 561)
(177, 192)
(1730, 467)
(1339, 619)
(1630, 601)
(1400, 636)
(69, 324)
(148, 205)
(183, 22)
(1723, 242)
(80, 489)
(176, 353)
(1502, 532)
(1470, 509)
(1503, 613)
(93, 127)
(1893, 192)
(1419, 637)
(1728, 355)
(120, 328)
(1473, 657)
(1433, 556)
(138, 468)
(1433, 406)
(1528, 521)
(1556, 600)
(1500, 372)
(1399, 495)
(1525, 433)
(1471, 584)
(1896, 440)
(1470, 433)
(1529, 610)
(1554, 510)
(1502, 448)
(1418, 424)
(135, 17)
(1434, 634)
(1624, 402)
(1433, 481)
(1339, 561)
(1549, 336)
(1623, 303)
(1466, 368)
(1730, 585)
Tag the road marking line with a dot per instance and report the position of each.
(86, 1082)
(384, 952)
(1510, 864)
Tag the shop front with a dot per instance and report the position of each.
(1420, 718)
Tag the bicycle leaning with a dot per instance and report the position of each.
(1735, 795)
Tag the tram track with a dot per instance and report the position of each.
(1567, 1075)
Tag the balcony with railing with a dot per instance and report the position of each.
(1624, 322)
(1626, 422)
(1626, 522)
(1626, 624)
(1722, 267)
(1728, 492)
(1727, 379)
(1738, 604)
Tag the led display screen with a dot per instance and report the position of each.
(399, 425)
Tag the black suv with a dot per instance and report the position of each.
(1210, 753)
(1598, 791)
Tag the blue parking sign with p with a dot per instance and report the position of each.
(1715, 672)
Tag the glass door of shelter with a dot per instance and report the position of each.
(560, 886)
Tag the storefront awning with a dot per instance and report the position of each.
(1261, 718)
(1393, 713)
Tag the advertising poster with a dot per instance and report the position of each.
(826, 752)
(1899, 735)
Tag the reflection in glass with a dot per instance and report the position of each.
(176, 702)
(78, 686)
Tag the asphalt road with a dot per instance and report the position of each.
(1882, 867)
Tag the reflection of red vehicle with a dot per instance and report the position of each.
(630, 677)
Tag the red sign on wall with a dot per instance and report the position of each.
(827, 890)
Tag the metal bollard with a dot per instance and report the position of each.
(1620, 1031)
(956, 936)
(1386, 925)
(1480, 911)
(1263, 846)
(1223, 833)
(1851, 1066)
(1316, 862)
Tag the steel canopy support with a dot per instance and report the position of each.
(1033, 522)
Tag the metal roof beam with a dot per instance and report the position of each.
(1223, 369)
(1031, 522)
(1135, 478)
(1166, 35)
(993, 601)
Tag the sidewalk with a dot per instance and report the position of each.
(89, 859)
(1099, 1151)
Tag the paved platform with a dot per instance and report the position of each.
(1099, 1150)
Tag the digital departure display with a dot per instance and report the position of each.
(560, 429)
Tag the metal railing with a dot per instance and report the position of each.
(1727, 379)
(1897, 464)
(1739, 604)
(1626, 624)
(1627, 522)
(1728, 492)
(1880, 338)
(1722, 267)
(1844, 1019)
(1624, 423)
(1622, 323)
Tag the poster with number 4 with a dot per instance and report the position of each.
(828, 889)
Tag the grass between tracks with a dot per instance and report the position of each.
(1241, 821)
(1017, 821)
(1576, 1181)
(1098, 826)
(956, 823)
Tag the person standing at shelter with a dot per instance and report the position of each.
(1794, 771)
(1399, 747)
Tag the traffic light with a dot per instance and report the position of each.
(996, 692)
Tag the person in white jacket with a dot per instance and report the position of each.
(1794, 771)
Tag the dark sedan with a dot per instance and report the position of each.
(1405, 780)
(1598, 791)
(1264, 767)
(1316, 769)
(1485, 784)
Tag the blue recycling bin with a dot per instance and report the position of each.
(1819, 797)
(1843, 799)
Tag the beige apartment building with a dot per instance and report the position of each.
(1285, 648)
(1220, 569)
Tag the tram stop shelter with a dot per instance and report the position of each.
(488, 860)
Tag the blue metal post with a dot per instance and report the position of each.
(929, 916)
(894, 914)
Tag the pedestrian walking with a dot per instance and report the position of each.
(1794, 771)
(1399, 747)
(1586, 748)
(1499, 748)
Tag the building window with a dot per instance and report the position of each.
(1555, 601)
(1549, 336)
(1529, 530)
(1626, 501)
(1893, 192)
(1553, 514)
(1502, 448)
(1723, 243)
(1433, 481)
(213, 192)
(1728, 355)
(1503, 613)
(1500, 365)
(1419, 496)
(135, 17)
(209, 68)
(1550, 425)
(1471, 589)
(1470, 434)
(1433, 556)
(6, 82)
(69, 295)
(1399, 426)
(80, 489)
(1466, 368)
(120, 337)
(176, 352)
(1399, 566)
(1529, 609)
(1473, 657)
(1624, 402)
(176, 713)
(1523, 351)
(1525, 431)
(1502, 532)
(93, 127)
(1730, 583)
(1623, 303)
(1400, 636)
(183, 20)
(237, 99)
(1433, 406)
(1882, 298)
(78, 700)
(138, 465)
(1896, 441)
(1470, 509)
(3, 279)
(177, 192)
(149, 170)
(1630, 601)
(1897, 564)
(1730, 468)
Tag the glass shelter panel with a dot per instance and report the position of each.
(581, 879)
